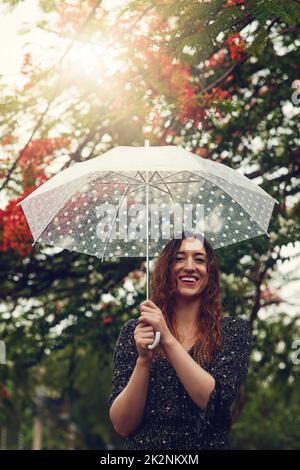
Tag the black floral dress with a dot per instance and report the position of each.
(171, 419)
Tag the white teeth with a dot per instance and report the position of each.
(188, 279)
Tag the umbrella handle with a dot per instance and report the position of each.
(156, 341)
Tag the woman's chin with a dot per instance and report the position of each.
(187, 292)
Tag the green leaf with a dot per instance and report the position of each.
(202, 43)
(259, 11)
(225, 19)
(279, 9)
(264, 10)
(260, 42)
(292, 8)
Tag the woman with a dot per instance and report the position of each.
(178, 395)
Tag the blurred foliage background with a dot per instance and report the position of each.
(217, 77)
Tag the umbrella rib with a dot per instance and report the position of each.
(258, 192)
(136, 189)
(243, 208)
(128, 177)
(142, 176)
(222, 189)
(204, 177)
(153, 186)
(125, 176)
(152, 176)
(168, 190)
(67, 201)
(181, 181)
(116, 214)
(173, 174)
(166, 186)
(124, 194)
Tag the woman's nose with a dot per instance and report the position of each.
(189, 263)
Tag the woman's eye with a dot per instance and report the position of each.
(197, 259)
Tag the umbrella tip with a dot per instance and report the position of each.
(147, 143)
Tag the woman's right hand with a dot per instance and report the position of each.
(143, 336)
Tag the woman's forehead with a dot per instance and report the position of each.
(192, 244)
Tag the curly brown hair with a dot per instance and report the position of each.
(210, 333)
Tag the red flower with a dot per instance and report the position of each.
(269, 296)
(14, 230)
(282, 206)
(27, 66)
(216, 94)
(231, 3)
(216, 58)
(189, 108)
(202, 152)
(136, 275)
(4, 393)
(107, 320)
(103, 306)
(8, 139)
(236, 46)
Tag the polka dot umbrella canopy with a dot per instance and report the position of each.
(130, 201)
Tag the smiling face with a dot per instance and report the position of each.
(190, 268)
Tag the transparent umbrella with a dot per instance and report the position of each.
(130, 201)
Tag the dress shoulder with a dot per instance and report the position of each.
(129, 326)
(229, 369)
(124, 359)
(235, 321)
(236, 327)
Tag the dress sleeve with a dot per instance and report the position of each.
(124, 359)
(229, 371)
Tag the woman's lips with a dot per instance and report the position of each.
(189, 283)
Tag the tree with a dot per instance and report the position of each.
(216, 77)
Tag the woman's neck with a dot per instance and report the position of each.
(186, 313)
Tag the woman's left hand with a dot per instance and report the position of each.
(153, 316)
